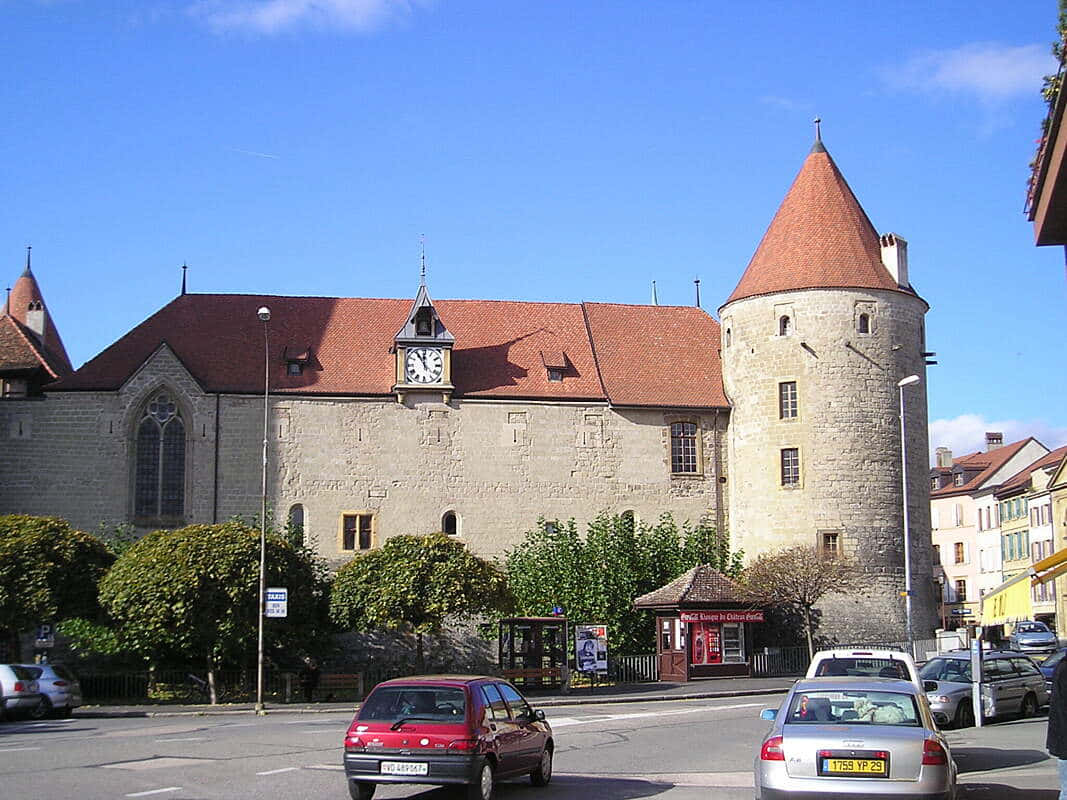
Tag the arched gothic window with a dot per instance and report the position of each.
(864, 323)
(449, 523)
(160, 470)
(783, 325)
(296, 525)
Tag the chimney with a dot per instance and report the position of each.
(35, 318)
(895, 257)
(993, 441)
(943, 457)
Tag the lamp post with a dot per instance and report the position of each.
(907, 533)
(264, 317)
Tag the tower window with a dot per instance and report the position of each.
(728, 337)
(424, 322)
(785, 325)
(295, 527)
(357, 531)
(787, 400)
(684, 456)
(159, 471)
(449, 523)
(864, 323)
(790, 461)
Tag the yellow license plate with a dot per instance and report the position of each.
(854, 766)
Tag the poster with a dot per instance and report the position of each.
(591, 648)
(707, 643)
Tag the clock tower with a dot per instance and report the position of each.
(423, 352)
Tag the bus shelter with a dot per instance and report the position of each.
(703, 626)
(532, 651)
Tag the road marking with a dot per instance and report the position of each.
(564, 722)
(184, 739)
(325, 766)
(17, 749)
(156, 791)
(707, 780)
(276, 771)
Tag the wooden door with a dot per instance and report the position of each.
(671, 649)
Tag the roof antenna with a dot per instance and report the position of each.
(818, 146)
(184, 268)
(422, 259)
(655, 302)
(697, 282)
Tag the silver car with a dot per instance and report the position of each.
(19, 693)
(1011, 684)
(1033, 637)
(60, 691)
(852, 738)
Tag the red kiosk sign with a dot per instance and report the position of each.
(721, 616)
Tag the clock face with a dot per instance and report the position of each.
(424, 365)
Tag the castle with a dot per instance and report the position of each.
(473, 417)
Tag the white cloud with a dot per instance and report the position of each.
(274, 16)
(988, 70)
(966, 433)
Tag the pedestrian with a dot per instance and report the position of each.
(309, 678)
(1056, 741)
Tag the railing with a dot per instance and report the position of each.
(773, 662)
(635, 669)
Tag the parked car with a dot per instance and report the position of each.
(1033, 637)
(19, 692)
(853, 737)
(1048, 665)
(893, 664)
(446, 730)
(1011, 684)
(60, 690)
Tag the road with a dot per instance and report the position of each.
(679, 750)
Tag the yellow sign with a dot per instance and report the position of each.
(1009, 602)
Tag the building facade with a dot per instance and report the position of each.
(475, 418)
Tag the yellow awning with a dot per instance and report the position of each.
(1009, 602)
(1054, 560)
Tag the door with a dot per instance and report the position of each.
(1005, 684)
(529, 740)
(670, 647)
(504, 734)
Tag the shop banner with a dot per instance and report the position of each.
(721, 616)
(591, 648)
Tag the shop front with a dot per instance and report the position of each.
(703, 625)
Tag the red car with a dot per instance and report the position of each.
(446, 730)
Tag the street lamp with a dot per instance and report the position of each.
(907, 533)
(264, 317)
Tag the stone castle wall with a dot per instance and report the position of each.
(848, 436)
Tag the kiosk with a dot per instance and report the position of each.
(703, 626)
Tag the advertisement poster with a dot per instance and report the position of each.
(707, 644)
(591, 648)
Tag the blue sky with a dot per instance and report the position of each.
(547, 150)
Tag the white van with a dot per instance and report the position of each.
(894, 664)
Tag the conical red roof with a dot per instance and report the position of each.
(23, 293)
(819, 238)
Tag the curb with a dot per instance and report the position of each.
(553, 702)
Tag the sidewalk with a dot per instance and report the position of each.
(621, 693)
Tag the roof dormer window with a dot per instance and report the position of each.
(424, 321)
(957, 479)
(555, 362)
(296, 358)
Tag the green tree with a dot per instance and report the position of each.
(795, 579)
(596, 579)
(414, 584)
(192, 593)
(48, 572)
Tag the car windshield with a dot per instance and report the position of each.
(957, 670)
(855, 707)
(1031, 627)
(863, 667)
(424, 703)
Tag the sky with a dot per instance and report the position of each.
(544, 150)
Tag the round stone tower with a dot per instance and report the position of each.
(816, 338)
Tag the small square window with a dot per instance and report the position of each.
(357, 531)
(830, 544)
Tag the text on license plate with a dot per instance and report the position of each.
(404, 768)
(853, 766)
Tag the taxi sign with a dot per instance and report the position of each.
(277, 602)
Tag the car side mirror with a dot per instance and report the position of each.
(539, 715)
(929, 686)
(769, 714)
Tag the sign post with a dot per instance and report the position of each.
(277, 602)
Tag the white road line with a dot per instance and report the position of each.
(184, 739)
(156, 791)
(276, 771)
(325, 766)
(17, 749)
(564, 722)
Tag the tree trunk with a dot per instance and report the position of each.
(211, 681)
(420, 658)
(809, 632)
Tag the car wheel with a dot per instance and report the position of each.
(361, 790)
(41, 710)
(543, 774)
(483, 788)
(1029, 706)
(964, 714)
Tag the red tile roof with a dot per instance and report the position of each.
(819, 238)
(986, 465)
(628, 355)
(701, 585)
(1021, 479)
(23, 293)
(21, 351)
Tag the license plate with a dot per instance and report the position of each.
(853, 766)
(404, 768)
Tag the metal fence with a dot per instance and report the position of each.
(773, 662)
(187, 686)
(635, 669)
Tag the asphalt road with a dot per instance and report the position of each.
(681, 750)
